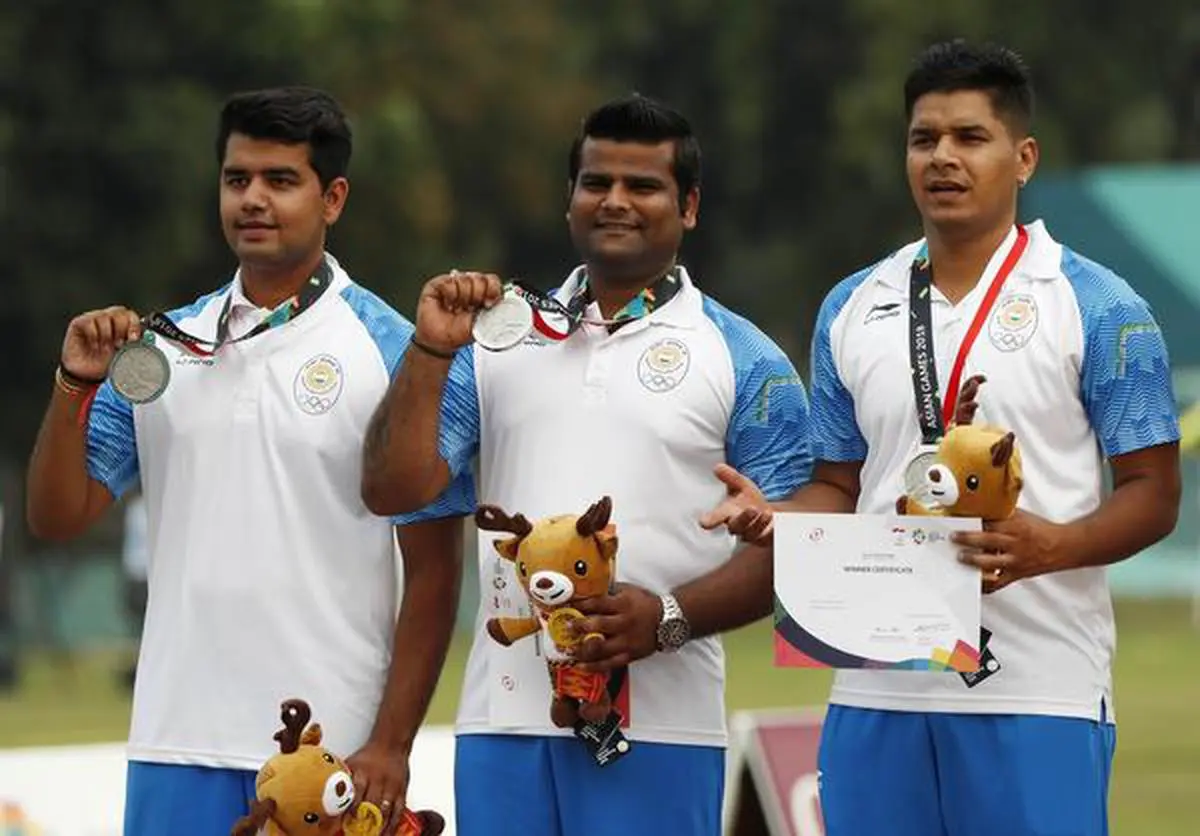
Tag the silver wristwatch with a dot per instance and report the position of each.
(673, 627)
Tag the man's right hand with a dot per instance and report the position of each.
(94, 337)
(448, 305)
(744, 510)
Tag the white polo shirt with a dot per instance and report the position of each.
(268, 577)
(642, 415)
(1076, 366)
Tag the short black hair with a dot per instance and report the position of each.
(291, 115)
(993, 69)
(638, 118)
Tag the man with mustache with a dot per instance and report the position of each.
(1074, 363)
(637, 392)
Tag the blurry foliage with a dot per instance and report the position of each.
(463, 111)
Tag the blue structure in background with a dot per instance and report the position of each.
(1144, 223)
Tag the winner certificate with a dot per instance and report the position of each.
(875, 591)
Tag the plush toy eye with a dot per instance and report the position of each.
(311, 818)
(328, 758)
(521, 568)
(972, 482)
(580, 568)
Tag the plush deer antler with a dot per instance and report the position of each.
(964, 410)
(492, 518)
(295, 716)
(251, 824)
(1002, 450)
(595, 518)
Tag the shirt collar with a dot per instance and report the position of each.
(1040, 261)
(678, 311)
(238, 301)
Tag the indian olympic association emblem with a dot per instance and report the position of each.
(318, 385)
(1014, 322)
(664, 365)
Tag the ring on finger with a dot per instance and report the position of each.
(384, 805)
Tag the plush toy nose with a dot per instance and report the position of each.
(942, 485)
(544, 583)
(338, 794)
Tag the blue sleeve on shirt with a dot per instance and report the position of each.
(835, 432)
(767, 438)
(112, 457)
(459, 439)
(1125, 378)
(392, 333)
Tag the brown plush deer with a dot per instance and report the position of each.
(306, 789)
(559, 561)
(977, 471)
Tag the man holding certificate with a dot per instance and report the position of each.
(626, 382)
(1077, 369)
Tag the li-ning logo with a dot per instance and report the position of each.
(884, 311)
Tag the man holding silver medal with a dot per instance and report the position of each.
(626, 381)
(242, 417)
(1047, 344)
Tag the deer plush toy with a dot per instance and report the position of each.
(306, 789)
(976, 472)
(559, 560)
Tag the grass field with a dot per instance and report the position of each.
(1156, 784)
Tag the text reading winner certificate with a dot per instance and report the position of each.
(874, 591)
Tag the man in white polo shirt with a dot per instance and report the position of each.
(243, 420)
(656, 385)
(1076, 367)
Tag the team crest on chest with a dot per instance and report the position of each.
(1014, 322)
(664, 365)
(318, 385)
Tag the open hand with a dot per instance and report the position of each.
(744, 511)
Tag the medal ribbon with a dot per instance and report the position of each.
(283, 313)
(933, 416)
(647, 301)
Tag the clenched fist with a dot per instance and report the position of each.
(448, 304)
(94, 337)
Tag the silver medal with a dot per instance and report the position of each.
(504, 325)
(139, 372)
(916, 475)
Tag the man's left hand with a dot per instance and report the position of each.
(1022, 546)
(627, 619)
(380, 775)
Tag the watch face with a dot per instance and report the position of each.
(672, 634)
